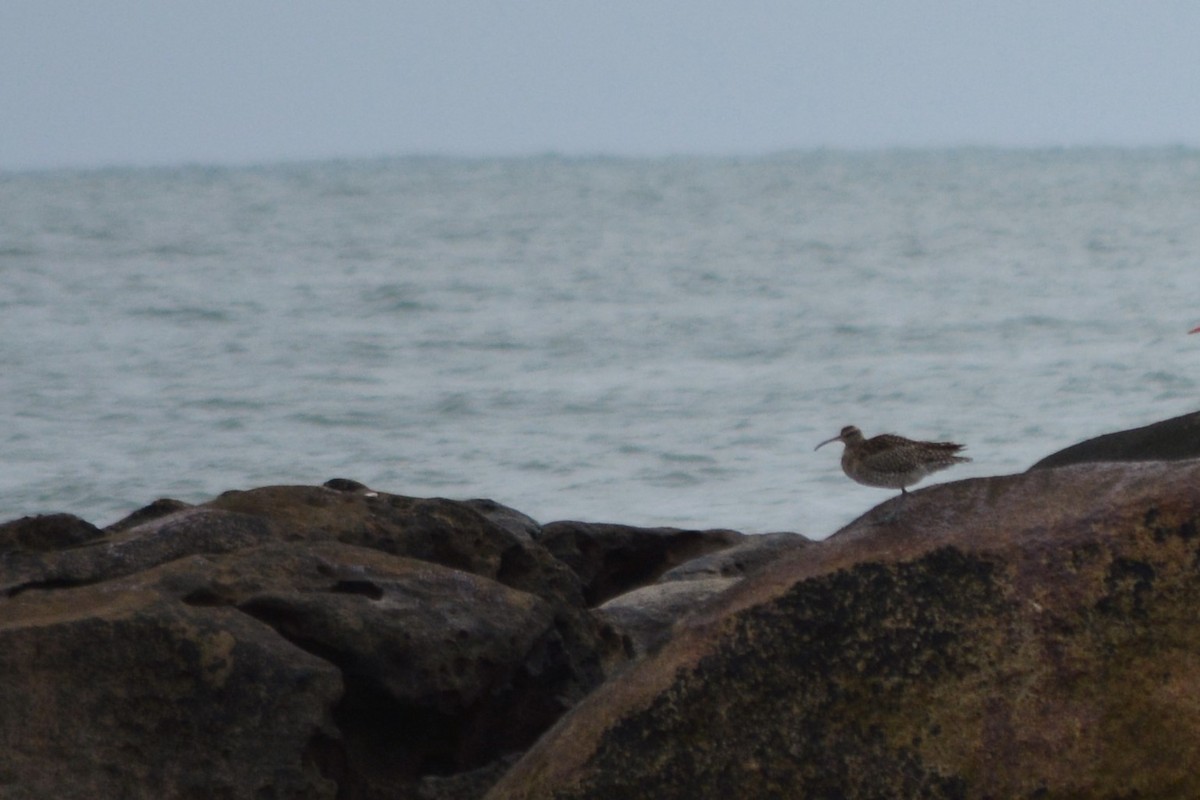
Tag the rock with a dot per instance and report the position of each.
(463, 786)
(159, 508)
(1169, 440)
(1023, 636)
(128, 551)
(126, 692)
(510, 519)
(612, 559)
(647, 615)
(46, 532)
(446, 532)
(747, 556)
(381, 646)
(474, 669)
(347, 485)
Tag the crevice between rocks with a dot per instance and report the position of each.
(384, 742)
(48, 584)
(360, 587)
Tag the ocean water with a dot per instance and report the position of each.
(653, 341)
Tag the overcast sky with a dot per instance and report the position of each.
(102, 82)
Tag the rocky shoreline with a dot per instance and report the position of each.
(1032, 635)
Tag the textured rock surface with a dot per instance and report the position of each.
(122, 691)
(647, 616)
(131, 550)
(1170, 440)
(285, 642)
(1025, 636)
(612, 559)
(444, 532)
(738, 560)
(46, 532)
(444, 670)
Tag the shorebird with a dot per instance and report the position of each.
(892, 462)
(1194, 330)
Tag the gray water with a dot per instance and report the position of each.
(654, 342)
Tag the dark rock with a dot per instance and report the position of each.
(463, 786)
(507, 518)
(1024, 636)
(647, 616)
(612, 559)
(1170, 440)
(159, 508)
(446, 532)
(46, 532)
(126, 692)
(407, 647)
(474, 669)
(747, 556)
(193, 530)
(166, 538)
(347, 485)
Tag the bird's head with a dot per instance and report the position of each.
(848, 435)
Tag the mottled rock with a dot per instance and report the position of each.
(159, 508)
(347, 485)
(464, 785)
(646, 616)
(1035, 635)
(749, 555)
(474, 669)
(612, 559)
(1170, 440)
(447, 532)
(510, 519)
(122, 691)
(187, 532)
(46, 532)
(417, 644)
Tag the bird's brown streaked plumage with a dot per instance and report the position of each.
(892, 462)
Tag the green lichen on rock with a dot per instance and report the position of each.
(808, 687)
(1033, 636)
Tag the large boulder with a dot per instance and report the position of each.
(1170, 440)
(1026, 636)
(445, 671)
(447, 532)
(453, 533)
(123, 691)
(285, 642)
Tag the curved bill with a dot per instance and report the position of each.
(838, 438)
